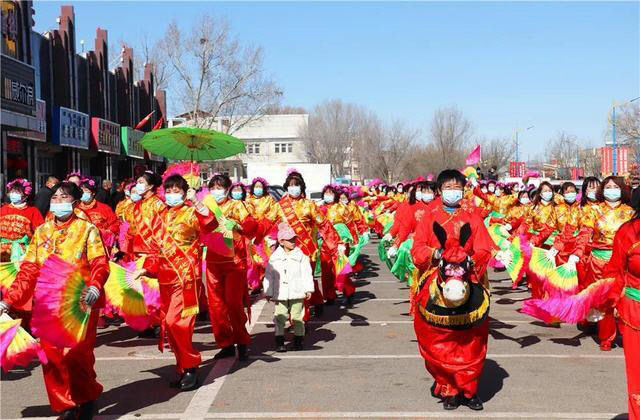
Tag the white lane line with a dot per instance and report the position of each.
(417, 356)
(205, 395)
(414, 414)
(378, 281)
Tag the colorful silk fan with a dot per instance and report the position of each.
(135, 299)
(470, 172)
(562, 280)
(343, 270)
(60, 315)
(8, 273)
(17, 346)
(572, 308)
(540, 264)
(190, 171)
(514, 260)
(499, 235)
(220, 241)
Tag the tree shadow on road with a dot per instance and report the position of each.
(524, 341)
(492, 380)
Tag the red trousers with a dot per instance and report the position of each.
(227, 296)
(179, 329)
(607, 328)
(328, 280)
(631, 339)
(69, 375)
(455, 358)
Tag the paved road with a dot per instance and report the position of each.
(359, 362)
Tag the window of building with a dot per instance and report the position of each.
(284, 147)
(290, 147)
(253, 149)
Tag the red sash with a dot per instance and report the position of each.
(306, 242)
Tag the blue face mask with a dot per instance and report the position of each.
(329, 198)
(174, 199)
(418, 195)
(61, 210)
(591, 195)
(86, 197)
(427, 197)
(141, 188)
(135, 197)
(546, 196)
(294, 190)
(219, 195)
(236, 195)
(451, 198)
(15, 198)
(258, 192)
(612, 194)
(570, 197)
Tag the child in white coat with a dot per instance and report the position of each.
(288, 281)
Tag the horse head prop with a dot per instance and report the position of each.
(454, 269)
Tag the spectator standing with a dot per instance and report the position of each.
(43, 197)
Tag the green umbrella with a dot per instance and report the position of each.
(192, 144)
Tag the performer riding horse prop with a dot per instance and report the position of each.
(452, 322)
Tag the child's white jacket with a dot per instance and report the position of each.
(288, 275)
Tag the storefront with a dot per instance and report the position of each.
(105, 139)
(70, 131)
(18, 116)
(133, 150)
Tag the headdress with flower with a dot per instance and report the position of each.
(26, 185)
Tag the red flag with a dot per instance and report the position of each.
(144, 121)
(474, 157)
(159, 124)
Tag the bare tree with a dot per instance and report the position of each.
(497, 152)
(563, 150)
(153, 54)
(214, 76)
(450, 134)
(332, 133)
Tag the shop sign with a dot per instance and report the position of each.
(18, 86)
(105, 135)
(131, 142)
(70, 128)
(40, 133)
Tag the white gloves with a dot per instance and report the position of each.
(393, 251)
(474, 182)
(595, 315)
(4, 308)
(92, 295)
(508, 227)
(342, 249)
(551, 253)
(366, 236)
(270, 242)
(573, 259)
(387, 237)
(502, 256)
(191, 195)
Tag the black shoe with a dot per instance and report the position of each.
(153, 332)
(330, 302)
(86, 410)
(70, 414)
(243, 353)
(228, 351)
(451, 403)
(176, 383)
(298, 341)
(473, 403)
(280, 347)
(189, 380)
(319, 310)
(349, 300)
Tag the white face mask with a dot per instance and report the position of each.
(141, 188)
(329, 198)
(427, 197)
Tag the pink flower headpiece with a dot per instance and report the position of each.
(90, 182)
(78, 174)
(293, 171)
(260, 180)
(26, 185)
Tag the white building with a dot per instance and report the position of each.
(270, 138)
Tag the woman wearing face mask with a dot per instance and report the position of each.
(517, 212)
(99, 214)
(69, 375)
(139, 237)
(227, 269)
(500, 201)
(568, 214)
(597, 230)
(177, 266)
(125, 206)
(540, 222)
(306, 219)
(18, 221)
(264, 210)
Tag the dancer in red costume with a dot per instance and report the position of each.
(99, 214)
(452, 323)
(227, 273)
(177, 266)
(18, 223)
(69, 375)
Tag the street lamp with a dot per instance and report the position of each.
(518, 131)
(613, 135)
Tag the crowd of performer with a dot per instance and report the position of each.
(171, 251)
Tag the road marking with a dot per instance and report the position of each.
(205, 395)
(367, 322)
(415, 414)
(417, 356)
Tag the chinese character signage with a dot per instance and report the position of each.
(131, 142)
(40, 131)
(10, 33)
(517, 169)
(18, 86)
(105, 135)
(70, 128)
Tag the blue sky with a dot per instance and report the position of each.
(506, 65)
